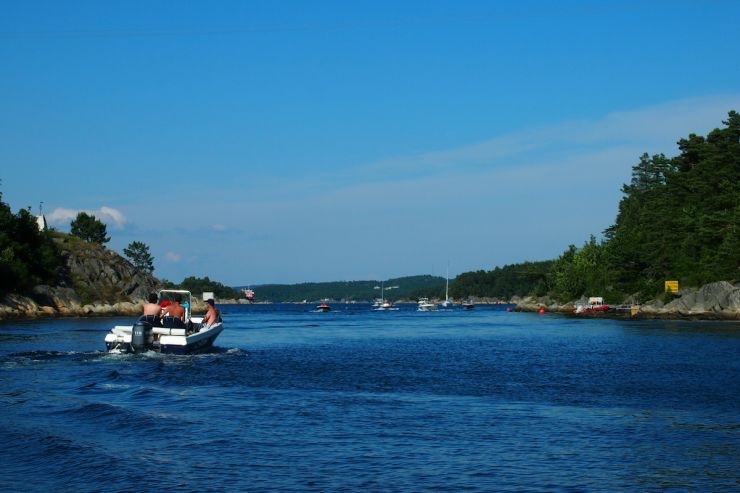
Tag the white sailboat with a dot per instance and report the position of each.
(382, 304)
(447, 304)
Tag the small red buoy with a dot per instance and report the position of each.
(508, 309)
(542, 310)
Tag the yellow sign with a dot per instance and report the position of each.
(671, 286)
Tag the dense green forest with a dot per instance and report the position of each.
(28, 256)
(503, 282)
(198, 285)
(679, 219)
(399, 288)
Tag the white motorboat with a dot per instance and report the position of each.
(425, 305)
(323, 307)
(167, 334)
(385, 306)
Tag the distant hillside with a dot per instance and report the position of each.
(503, 282)
(408, 288)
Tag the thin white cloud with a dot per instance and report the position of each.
(114, 216)
(60, 216)
(655, 126)
(172, 257)
(110, 216)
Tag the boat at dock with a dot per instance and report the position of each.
(595, 304)
(167, 334)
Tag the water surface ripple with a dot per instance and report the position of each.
(349, 400)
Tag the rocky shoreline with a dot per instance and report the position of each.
(714, 301)
(17, 307)
(92, 281)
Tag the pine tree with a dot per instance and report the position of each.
(89, 228)
(138, 253)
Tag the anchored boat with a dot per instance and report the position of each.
(595, 304)
(323, 307)
(167, 334)
(425, 305)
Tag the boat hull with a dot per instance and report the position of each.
(591, 309)
(195, 343)
(425, 305)
(173, 341)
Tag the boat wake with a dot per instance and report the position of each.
(27, 357)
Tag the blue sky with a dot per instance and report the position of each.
(258, 142)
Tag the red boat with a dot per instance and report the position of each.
(595, 304)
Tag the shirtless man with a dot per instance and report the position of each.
(152, 308)
(175, 309)
(212, 316)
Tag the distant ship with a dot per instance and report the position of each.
(249, 294)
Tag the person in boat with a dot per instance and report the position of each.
(212, 315)
(174, 311)
(152, 310)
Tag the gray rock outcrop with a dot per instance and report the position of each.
(717, 300)
(93, 280)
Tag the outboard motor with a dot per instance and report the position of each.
(141, 334)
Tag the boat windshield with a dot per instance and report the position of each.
(168, 296)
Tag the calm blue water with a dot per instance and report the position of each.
(380, 401)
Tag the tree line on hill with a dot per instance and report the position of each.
(399, 288)
(198, 285)
(679, 219)
(503, 282)
(29, 255)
